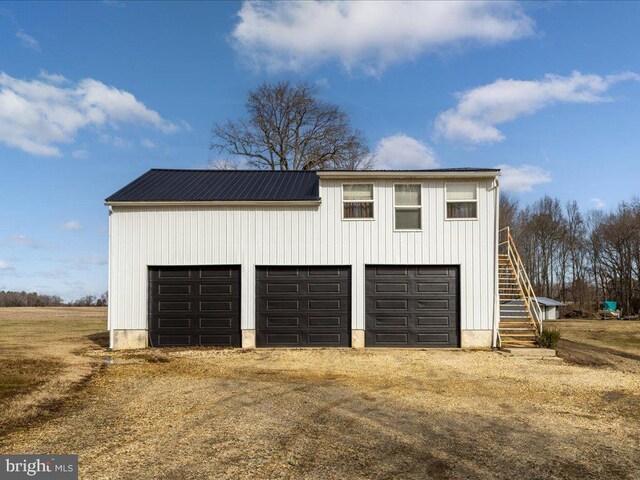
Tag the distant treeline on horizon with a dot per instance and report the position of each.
(33, 299)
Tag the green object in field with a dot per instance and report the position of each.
(610, 306)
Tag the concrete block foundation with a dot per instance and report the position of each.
(129, 339)
(357, 338)
(248, 338)
(476, 338)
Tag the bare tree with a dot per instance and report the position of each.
(509, 209)
(289, 128)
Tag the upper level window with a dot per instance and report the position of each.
(462, 200)
(357, 200)
(408, 207)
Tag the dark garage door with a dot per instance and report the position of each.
(303, 306)
(412, 306)
(197, 305)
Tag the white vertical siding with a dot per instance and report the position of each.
(250, 236)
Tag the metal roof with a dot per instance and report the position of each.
(220, 185)
(173, 185)
(544, 301)
(550, 302)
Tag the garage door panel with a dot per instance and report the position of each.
(215, 322)
(223, 273)
(278, 338)
(326, 321)
(323, 288)
(170, 323)
(435, 321)
(222, 306)
(172, 272)
(282, 322)
(215, 289)
(279, 272)
(411, 306)
(321, 339)
(198, 305)
(168, 306)
(217, 340)
(443, 339)
(303, 306)
(327, 305)
(435, 287)
(170, 289)
(391, 321)
(276, 305)
(283, 288)
(172, 340)
(386, 304)
(431, 271)
(431, 304)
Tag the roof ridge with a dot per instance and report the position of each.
(245, 170)
(215, 170)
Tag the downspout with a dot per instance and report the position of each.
(109, 285)
(496, 298)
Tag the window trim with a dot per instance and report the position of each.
(408, 207)
(372, 201)
(446, 202)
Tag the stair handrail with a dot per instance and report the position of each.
(521, 276)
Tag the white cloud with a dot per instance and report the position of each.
(52, 77)
(38, 115)
(24, 241)
(5, 266)
(522, 179)
(114, 3)
(404, 152)
(146, 143)
(80, 154)
(368, 36)
(598, 203)
(28, 41)
(72, 226)
(91, 260)
(480, 110)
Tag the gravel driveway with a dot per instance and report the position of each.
(346, 414)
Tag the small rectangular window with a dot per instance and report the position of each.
(408, 207)
(357, 200)
(462, 200)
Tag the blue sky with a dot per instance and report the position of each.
(94, 94)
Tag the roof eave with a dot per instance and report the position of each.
(408, 174)
(214, 203)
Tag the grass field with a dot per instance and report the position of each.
(42, 358)
(615, 334)
(323, 413)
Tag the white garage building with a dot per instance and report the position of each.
(329, 258)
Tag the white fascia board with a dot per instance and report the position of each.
(364, 174)
(224, 203)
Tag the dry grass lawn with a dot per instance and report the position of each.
(623, 335)
(202, 413)
(42, 358)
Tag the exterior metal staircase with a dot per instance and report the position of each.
(520, 313)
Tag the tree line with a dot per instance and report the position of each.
(34, 299)
(577, 257)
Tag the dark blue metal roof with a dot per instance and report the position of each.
(220, 185)
(166, 185)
